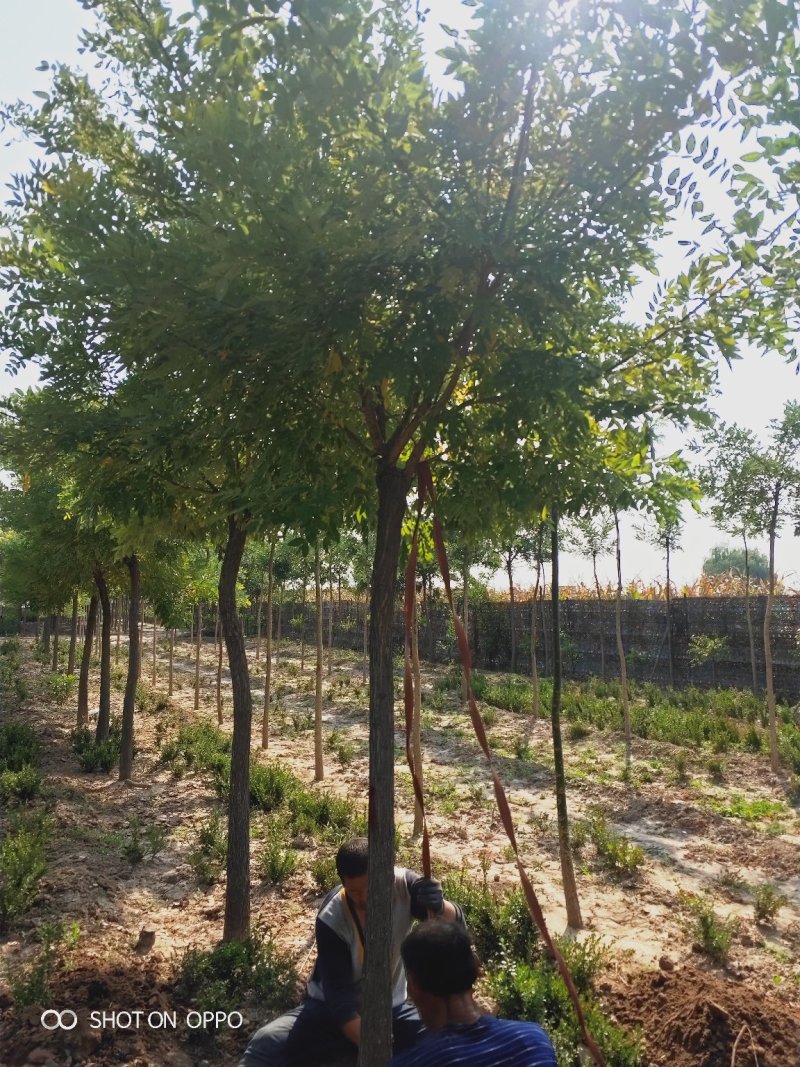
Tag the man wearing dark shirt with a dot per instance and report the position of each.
(442, 969)
(328, 1022)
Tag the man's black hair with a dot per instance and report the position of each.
(440, 957)
(352, 858)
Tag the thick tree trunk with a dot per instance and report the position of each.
(750, 637)
(237, 890)
(54, 663)
(599, 618)
(376, 1032)
(198, 640)
(86, 658)
(774, 759)
(104, 713)
(416, 723)
(623, 667)
(171, 659)
(129, 701)
(268, 649)
(73, 635)
(574, 918)
(319, 765)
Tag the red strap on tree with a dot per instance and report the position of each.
(426, 489)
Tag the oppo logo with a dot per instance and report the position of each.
(59, 1020)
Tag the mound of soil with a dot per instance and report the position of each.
(691, 1018)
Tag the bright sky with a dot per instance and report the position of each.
(752, 393)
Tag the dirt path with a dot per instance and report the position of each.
(136, 921)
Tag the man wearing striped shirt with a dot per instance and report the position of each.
(441, 969)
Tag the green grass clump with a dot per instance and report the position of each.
(739, 807)
(270, 785)
(323, 871)
(277, 862)
(31, 984)
(221, 978)
(512, 693)
(22, 864)
(199, 746)
(318, 813)
(19, 746)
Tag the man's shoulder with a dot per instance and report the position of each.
(504, 1039)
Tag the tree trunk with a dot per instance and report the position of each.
(574, 918)
(750, 636)
(599, 618)
(623, 668)
(86, 657)
(268, 650)
(141, 640)
(171, 658)
(54, 663)
(104, 713)
(197, 641)
(416, 722)
(319, 765)
(669, 624)
(118, 628)
(73, 635)
(545, 634)
(129, 700)
(376, 1031)
(48, 626)
(237, 889)
(513, 613)
(771, 711)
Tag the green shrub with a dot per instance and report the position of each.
(323, 871)
(767, 902)
(710, 931)
(11, 646)
(578, 730)
(277, 862)
(489, 716)
(789, 746)
(500, 923)
(31, 985)
(207, 858)
(19, 747)
(753, 740)
(97, 755)
(59, 687)
(270, 785)
(716, 769)
(681, 768)
(220, 979)
(22, 785)
(199, 746)
(615, 853)
(132, 847)
(22, 864)
(324, 813)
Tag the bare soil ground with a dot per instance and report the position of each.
(137, 921)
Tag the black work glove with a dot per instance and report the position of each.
(426, 897)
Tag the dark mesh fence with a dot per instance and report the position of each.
(589, 638)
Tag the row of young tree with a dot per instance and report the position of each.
(268, 270)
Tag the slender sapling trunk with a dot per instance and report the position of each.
(86, 657)
(129, 700)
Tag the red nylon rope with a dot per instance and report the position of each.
(425, 488)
